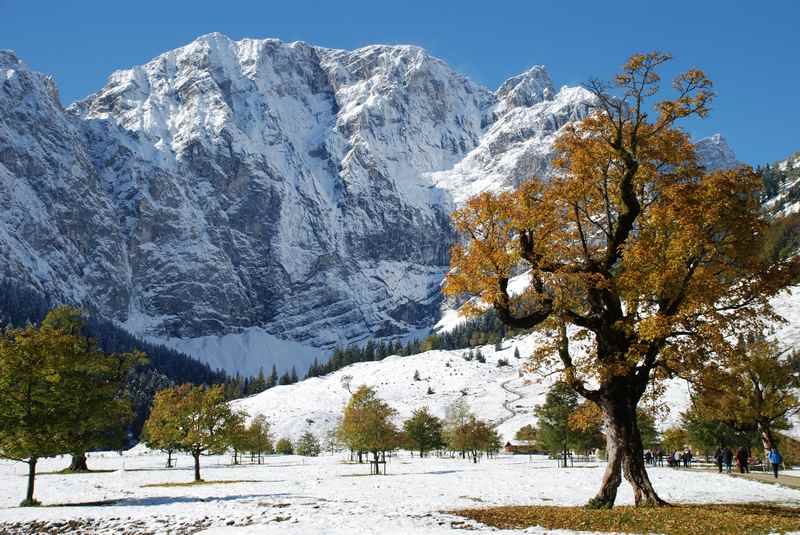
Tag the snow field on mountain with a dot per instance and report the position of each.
(491, 391)
(324, 495)
(315, 404)
(247, 352)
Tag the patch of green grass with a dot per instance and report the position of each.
(703, 519)
(201, 482)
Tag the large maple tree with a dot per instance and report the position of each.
(641, 263)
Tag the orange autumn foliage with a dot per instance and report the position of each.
(641, 263)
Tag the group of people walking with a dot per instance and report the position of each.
(678, 458)
(725, 457)
(654, 457)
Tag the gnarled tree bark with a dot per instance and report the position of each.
(624, 447)
(78, 463)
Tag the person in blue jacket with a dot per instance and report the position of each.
(775, 458)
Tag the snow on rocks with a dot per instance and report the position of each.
(228, 196)
(239, 189)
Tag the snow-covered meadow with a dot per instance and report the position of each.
(322, 495)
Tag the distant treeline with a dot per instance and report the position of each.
(238, 387)
(486, 329)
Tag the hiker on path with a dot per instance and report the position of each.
(742, 459)
(727, 458)
(775, 458)
(718, 459)
(687, 458)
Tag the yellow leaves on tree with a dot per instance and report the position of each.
(631, 246)
(195, 419)
(367, 424)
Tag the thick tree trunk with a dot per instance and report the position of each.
(196, 466)
(169, 458)
(376, 464)
(78, 463)
(625, 456)
(767, 438)
(29, 501)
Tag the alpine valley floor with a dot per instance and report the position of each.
(323, 495)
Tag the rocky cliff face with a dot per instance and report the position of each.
(715, 153)
(249, 200)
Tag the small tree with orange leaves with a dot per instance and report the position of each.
(646, 259)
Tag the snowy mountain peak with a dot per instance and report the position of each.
(256, 201)
(9, 59)
(28, 88)
(526, 89)
(715, 152)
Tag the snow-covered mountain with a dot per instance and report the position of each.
(715, 152)
(258, 202)
(786, 195)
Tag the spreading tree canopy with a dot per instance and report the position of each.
(162, 430)
(632, 249)
(367, 424)
(476, 436)
(58, 392)
(423, 431)
(707, 434)
(196, 416)
(754, 391)
(101, 412)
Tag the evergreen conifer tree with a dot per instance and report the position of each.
(273, 377)
(308, 445)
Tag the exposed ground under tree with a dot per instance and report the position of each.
(705, 519)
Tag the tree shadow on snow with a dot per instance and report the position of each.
(168, 500)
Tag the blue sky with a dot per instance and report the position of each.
(750, 49)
